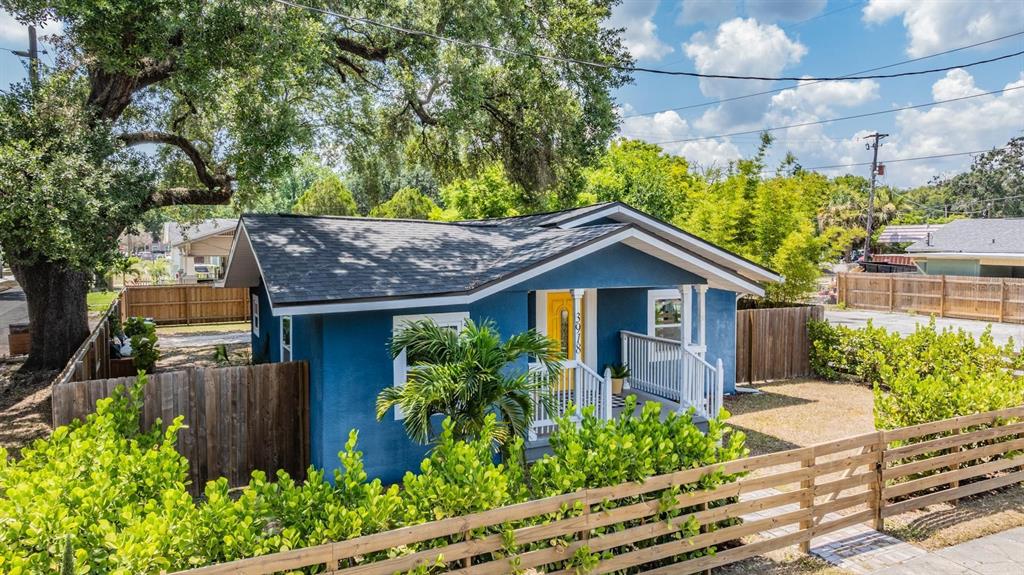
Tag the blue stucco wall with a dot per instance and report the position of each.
(617, 266)
(720, 329)
(265, 346)
(355, 364)
(350, 362)
(617, 310)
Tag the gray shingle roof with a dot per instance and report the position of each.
(538, 220)
(975, 236)
(320, 259)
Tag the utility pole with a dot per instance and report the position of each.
(33, 58)
(874, 145)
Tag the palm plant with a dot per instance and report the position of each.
(465, 375)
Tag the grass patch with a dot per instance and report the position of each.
(100, 300)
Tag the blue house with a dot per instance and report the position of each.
(608, 282)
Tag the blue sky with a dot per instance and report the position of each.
(825, 38)
(803, 38)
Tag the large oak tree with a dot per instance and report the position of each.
(157, 103)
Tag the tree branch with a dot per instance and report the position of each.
(218, 186)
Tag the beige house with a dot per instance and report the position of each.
(200, 251)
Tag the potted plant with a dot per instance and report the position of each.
(619, 372)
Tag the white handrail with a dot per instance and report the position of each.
(575, 384)
(666, 368)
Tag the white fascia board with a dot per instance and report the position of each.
(687, 239)
(966, 255)
(720, 278)
(231, 260)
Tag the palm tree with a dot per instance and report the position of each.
(466, 375)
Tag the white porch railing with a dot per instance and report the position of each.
(664, 368)
(577, 385)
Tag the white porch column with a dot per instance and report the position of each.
(577, 323)
(702, 290)
(686, 302)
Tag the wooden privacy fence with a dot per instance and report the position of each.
(989, 299)
(773, 343)
(92, 359)
(788, 498)
(238, 419)
(186, 303)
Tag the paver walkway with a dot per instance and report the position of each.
(998, 554)
(858, 549)
(861, 550)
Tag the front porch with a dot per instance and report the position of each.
(594, 328)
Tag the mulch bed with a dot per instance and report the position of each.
(25, 412)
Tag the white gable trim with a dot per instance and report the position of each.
(633, 237)
(231, 262)
(638, 217)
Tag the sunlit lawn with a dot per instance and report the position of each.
(100, 300)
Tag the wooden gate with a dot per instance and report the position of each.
(773, 343)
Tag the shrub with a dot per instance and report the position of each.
(927, 376)
(116, 496)
(143, 339)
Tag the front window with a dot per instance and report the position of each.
(286, 338)
(454, 321)
(664, 314)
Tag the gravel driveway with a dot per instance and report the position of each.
(906, 323)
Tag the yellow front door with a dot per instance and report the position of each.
(560, 320)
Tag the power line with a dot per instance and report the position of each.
(620, 68)
(828, 120)
(820, 16)
(801, 84)
(894, 161)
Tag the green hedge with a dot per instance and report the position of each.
(119, 495)
(926, 376)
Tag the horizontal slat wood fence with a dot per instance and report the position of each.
(186, 304)
(92, 359)
(773, 343)
(789, 498)
(987, 299)
(239, 419)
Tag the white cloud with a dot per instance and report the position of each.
(955, 84)
(641, 34)
(15, 34)
(742, 47)
(784, 9)
(936, 26)
(964, 126)
(819, 98)
(669, 126)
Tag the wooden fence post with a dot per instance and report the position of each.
(892, 292)
(807, 501)
(942, 296)
(188, 314)
(879, 498)
(1002, 299)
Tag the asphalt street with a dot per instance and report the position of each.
(12, 310)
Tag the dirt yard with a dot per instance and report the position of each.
(791, 414)
(25, 411)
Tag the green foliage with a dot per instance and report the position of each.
(326, 197)
(407, 203)
(796, 259)
(992, 186)
(926, 376)
(488, 195)
(144, 343)
(466, 375)
(111, 493)
(117, 499)
(597, 453)
(619, 370)
(641, 175)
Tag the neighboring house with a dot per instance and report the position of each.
(609, 283)
(978, 247)
(200, 251)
